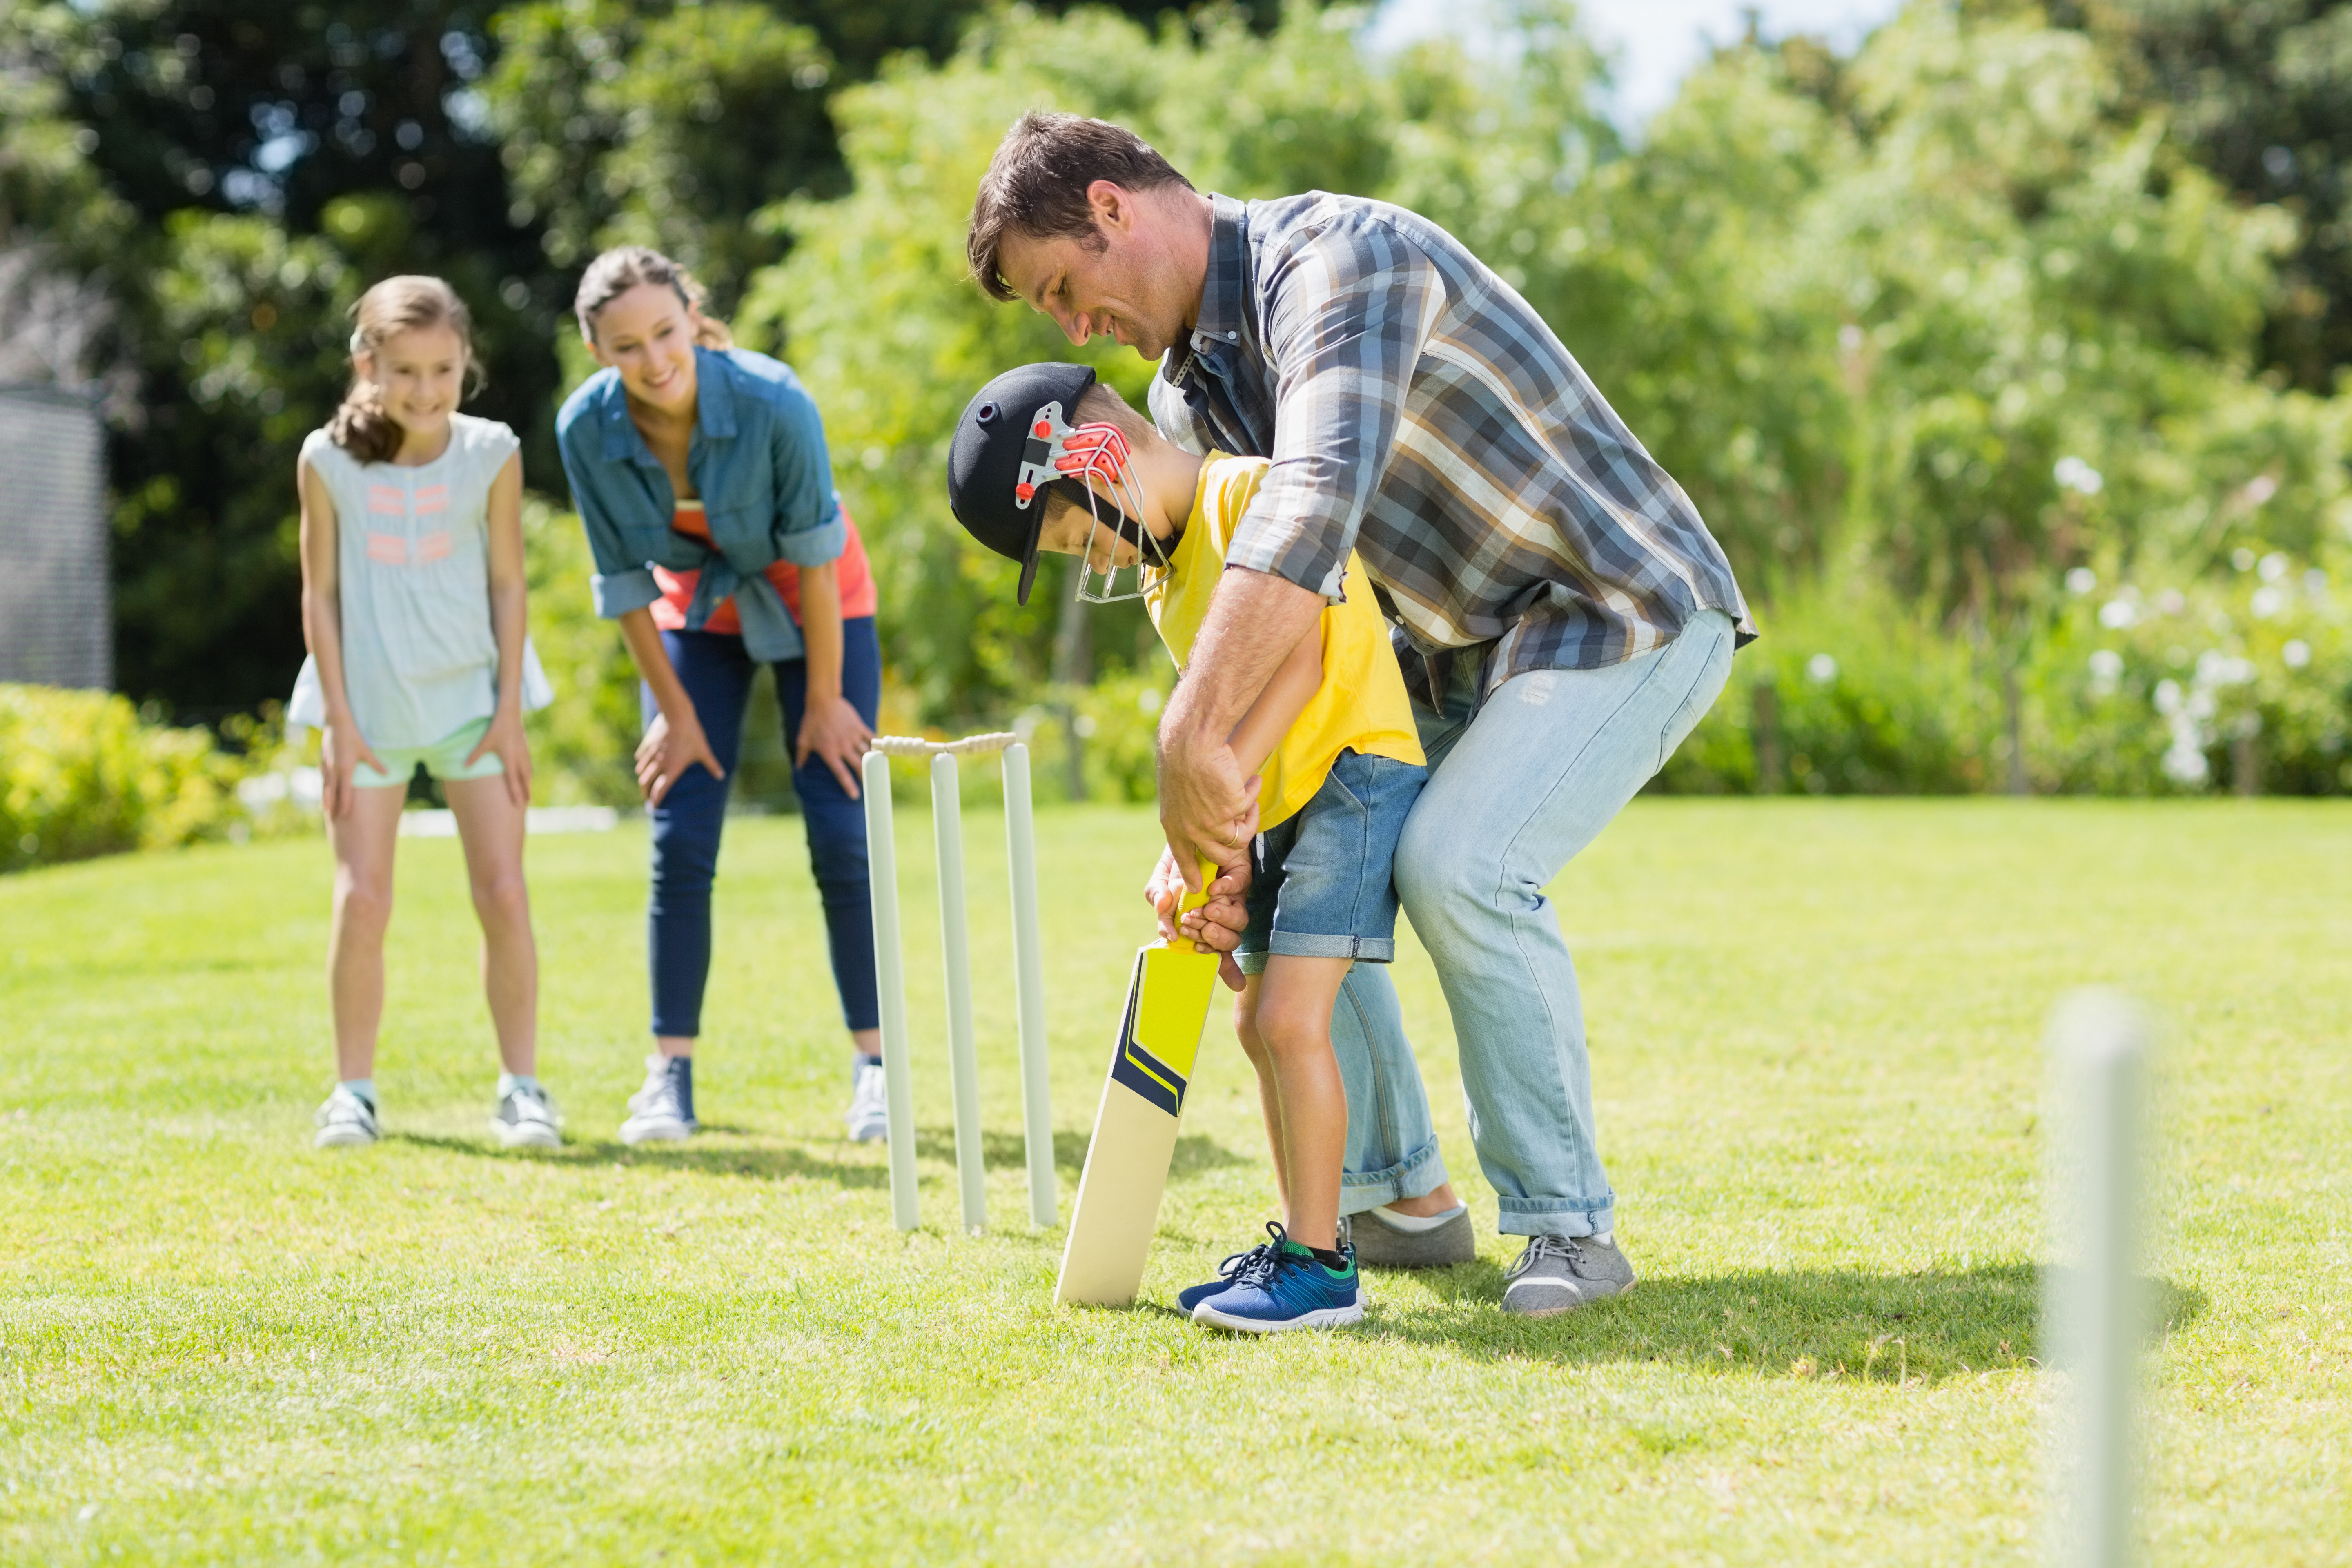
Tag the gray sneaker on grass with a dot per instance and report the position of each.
(526, 1119)
(346, 1120)
(1558, 1272)
(1384, 1246)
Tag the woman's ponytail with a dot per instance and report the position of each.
(361, 426)
(625, 267)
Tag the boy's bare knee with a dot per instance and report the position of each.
(1287, 1028)
(1245, 1027)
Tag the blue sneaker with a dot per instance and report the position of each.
(1240, 1266)
(1287, 1289)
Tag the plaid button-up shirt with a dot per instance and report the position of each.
(1418, 412)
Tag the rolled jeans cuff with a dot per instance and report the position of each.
(1527, 1216)
(1418, 1173)
(1294, 944)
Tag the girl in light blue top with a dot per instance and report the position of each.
(413, 608)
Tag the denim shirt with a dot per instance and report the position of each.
(757, 459)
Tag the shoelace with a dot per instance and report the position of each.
(1542, 1246)
(657, 1084)
(1259, 1265)
(1252, 1267)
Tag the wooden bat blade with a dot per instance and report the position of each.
(1135, 1126)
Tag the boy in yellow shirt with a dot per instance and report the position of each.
(1047, 460)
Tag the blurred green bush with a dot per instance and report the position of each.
(581, 744)
(83, 774)
(2141, 688)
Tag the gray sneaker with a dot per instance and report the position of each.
(345, 1121)
(1556, 1273)
(1383, 1246)
(526, 1119)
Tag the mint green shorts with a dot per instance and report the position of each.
(444, 759)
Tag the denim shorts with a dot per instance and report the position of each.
(1323, 883)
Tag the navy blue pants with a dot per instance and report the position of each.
(716, 674)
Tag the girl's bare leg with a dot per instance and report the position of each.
(491, 827)
(1292, 1019)
(362, 842)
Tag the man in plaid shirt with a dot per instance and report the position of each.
(1563, 617)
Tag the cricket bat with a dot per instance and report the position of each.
(1135, 1126)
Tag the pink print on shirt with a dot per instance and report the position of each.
(431, 497)
(433, 546)
(387, 500)
(389, 548)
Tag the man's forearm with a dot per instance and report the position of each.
(1254, 622)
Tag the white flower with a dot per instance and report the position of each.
(2082, 580)
(2215, 668)
(1148, 701)
(1821, 669)
(2272, 566)
(2297, 654)
(2168, 697)
(2073, 474)
(2106, 671)
(2268, 602)
(2116, 614)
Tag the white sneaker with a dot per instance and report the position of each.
(345, 1121)
(526, 1119)
(659, 1114)
(869, 1104)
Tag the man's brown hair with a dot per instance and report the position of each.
(1037, 185)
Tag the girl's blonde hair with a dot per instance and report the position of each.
(625, 267)
(361, 426)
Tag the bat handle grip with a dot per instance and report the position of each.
(1192, 900)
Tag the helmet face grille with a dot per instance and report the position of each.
(1107, 459)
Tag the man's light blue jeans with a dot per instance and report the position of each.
(1517, 788)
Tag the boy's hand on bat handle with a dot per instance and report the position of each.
(1215, 925)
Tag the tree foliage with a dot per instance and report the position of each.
(208, 185)
(1967, 312)
(2008, 331)
(2261, 96)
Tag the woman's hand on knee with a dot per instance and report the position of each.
(835, 733)
(668, 751)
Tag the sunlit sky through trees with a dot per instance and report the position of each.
(1654, 42)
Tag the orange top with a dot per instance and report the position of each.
(854, 576)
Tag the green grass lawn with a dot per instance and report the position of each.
(1817, 1051)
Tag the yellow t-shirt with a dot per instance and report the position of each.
(1362, 705)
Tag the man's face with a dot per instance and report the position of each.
(1129, 291)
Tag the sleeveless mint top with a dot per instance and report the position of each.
(420, 658)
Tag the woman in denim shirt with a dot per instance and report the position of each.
(701, 473)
